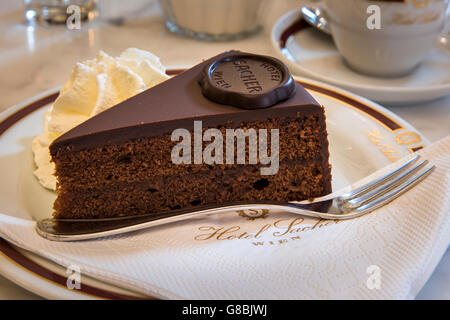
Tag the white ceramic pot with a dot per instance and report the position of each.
(407, 30)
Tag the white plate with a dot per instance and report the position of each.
(312, 54)
(364, 137)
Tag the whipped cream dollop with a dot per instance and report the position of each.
(94, 86)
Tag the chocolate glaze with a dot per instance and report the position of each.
(172, 104)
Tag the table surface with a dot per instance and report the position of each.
(34, 59)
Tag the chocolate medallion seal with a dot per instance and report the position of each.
(247, 81)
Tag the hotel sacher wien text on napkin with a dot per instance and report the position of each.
(272, 255)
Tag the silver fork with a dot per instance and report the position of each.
(355, 203)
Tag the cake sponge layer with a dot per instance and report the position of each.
(294, 182)
(299, 139)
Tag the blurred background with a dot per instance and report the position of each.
(48, 52)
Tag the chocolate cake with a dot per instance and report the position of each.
(121, 162)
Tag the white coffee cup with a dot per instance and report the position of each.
(386, 39)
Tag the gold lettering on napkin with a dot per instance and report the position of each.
(281, 231)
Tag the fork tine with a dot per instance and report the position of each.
(377, 182)
(384, 188)
(395, 193)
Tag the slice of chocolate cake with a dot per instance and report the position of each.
(233, 128)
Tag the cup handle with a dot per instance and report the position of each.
(323, 13)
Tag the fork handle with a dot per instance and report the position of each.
(84, 229)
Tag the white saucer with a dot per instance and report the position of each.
(310, 53)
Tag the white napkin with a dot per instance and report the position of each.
(388, 254)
